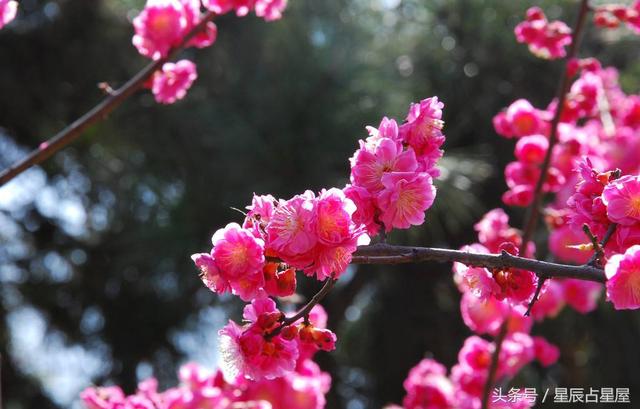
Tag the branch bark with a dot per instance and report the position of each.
(100, 111)
(382, 253)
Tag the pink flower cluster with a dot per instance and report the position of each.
(429, 386)
(303, 388)
(603, 201)
(545, 39)
(8, 11)
(593, 172)
(391, 173)
(316, 234)
(163, 25)
(513, 285)
(267, 347)
(612, 15)
(392, 187)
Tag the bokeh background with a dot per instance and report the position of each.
(96, 281)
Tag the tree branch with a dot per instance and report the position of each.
(534, 208)
(495, 361)
(100, 111)
(304, 311)
(382, 253)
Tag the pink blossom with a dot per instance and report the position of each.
(519, 195)
(301, 389)
(291, 230)
(370, 163)
(428, 387)
(102, 398)
(586, 204)
(237, 252)
(516, 285)
(622, 199)
(545, 39)
(205, 37)
(518, 322)
(8, 11)
(582, 99)
(479, 282)
(270, 9)
(623, 279)
(388, 128)
(581, 295)
(476, 353)
(423, 133)
(248, 352)
(633, 16)
(546, 353)
(365, 213)
(239, 256)
(469, 380)
(172, 82)
(405, 198)
(159, 27)
(259, 214)
(209, 273)
(482, 316)
(332, 261)
(333, 213)
(493, 230)
(625, 237)
(517, 351)
(520, 119)
(532, 149)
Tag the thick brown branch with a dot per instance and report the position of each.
(390, 254)
(531, 219)
(99, 112)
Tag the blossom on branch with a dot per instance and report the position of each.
(8, 11)
(623, 279)
(173, 81)
(545, 39)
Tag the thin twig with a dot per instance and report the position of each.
(598, 253)
(534, 209)
(100, 111)
(536, 296)
(382, 253)
(607, 236)
(593, 261)
(304, 311)
(495, 360)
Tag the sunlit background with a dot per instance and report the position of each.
(96, 282)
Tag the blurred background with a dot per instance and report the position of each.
(96, 281)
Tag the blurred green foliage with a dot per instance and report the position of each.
(95, 245)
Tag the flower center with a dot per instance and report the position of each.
(634, 206)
